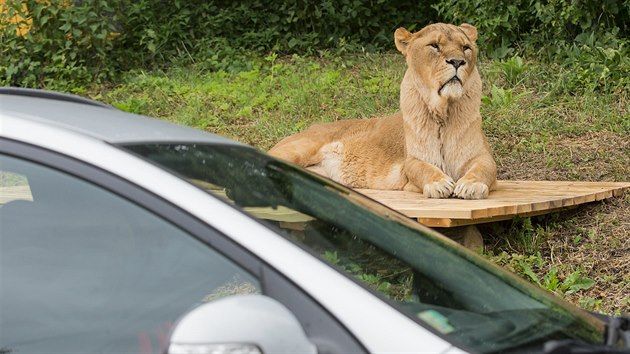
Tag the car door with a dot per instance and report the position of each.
(90, 263)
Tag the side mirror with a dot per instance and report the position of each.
(253, 324)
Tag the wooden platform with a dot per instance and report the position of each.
(510, 199)
(8, 194)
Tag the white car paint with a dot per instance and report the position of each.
(377, 325)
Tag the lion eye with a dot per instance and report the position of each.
(466, 47)
(435, 46)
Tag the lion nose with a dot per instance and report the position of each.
(456, 62)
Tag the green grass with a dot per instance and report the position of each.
(277, 98)
(539, 130)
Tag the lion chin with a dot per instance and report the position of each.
(453, 88)
(434, 145)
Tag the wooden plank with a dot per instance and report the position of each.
(279, 213)
(447, 222)
(510, 199)
(8, 194)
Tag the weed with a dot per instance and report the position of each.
(400, 290)
(529, 268)
(590, 303)
(502, 97)
(528, 236)
(573, 282)
(519, 264)
(131, 105)
(513, 69)
(331, 257)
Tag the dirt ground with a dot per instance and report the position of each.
(594, 237)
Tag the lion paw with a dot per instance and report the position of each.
(440, 189)
(467, 189)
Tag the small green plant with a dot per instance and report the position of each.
(390, 286)
(331, 257)
(572, 283)
(528, 235)
(529, 267)
(590, 303)
(131, 105)
(512, 69)
(518, 263)
(500, 97)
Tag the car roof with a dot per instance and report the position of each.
(95, 119)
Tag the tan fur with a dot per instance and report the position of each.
(434, 145)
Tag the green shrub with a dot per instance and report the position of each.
(500, 23)
(69, 44)
(201, 30)
(506, 24)
(78, 42)
(596, 63)
(59, 44)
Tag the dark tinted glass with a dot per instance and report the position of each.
(85, 271)
(425, 275)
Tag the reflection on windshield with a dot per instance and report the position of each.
(425, 275)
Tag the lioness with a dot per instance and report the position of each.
(435, 139)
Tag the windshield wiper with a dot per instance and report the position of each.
(570, 346)
(617, 330)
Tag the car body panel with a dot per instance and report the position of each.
(376, 324)
(108, 125)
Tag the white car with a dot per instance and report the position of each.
(126, 234)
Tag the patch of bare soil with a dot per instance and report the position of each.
(595, 156)
(603, 250)
(594, 237)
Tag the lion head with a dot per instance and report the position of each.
(441, 60)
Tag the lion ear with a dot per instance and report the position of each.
(402, 38)
(470, 31)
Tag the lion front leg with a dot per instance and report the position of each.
(478, 181)
(431, 180)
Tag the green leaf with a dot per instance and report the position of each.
(331, 257)
(11, 70)
(527, 270)
(66, 27)
(583, 284)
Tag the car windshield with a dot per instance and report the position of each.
(426, 276)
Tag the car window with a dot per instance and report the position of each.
(83, 270)
(424, 275)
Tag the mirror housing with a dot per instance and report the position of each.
(240, 324)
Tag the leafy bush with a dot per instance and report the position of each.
(596, 63)
(504, 24)
(86, 41)
(68, 44)
(54, 43)
(208, 32)
(500, 23)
